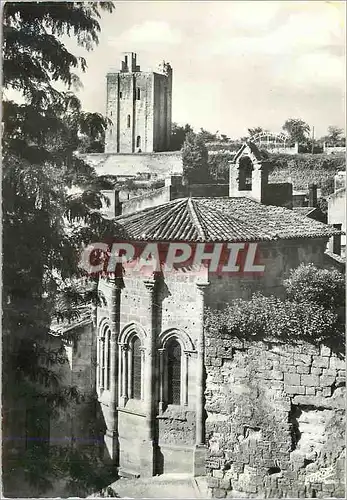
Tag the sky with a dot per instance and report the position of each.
(236, 64)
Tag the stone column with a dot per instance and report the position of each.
(111, 436)
(200, 448)
(124, 375)
(186, 378)
(148, 447)
(161, 380)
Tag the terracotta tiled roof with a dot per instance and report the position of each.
(220, 219)
(304, 210)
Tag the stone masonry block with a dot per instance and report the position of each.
(216, 362)
(302, 359)
(328, 373)
(316, 371)
(225, 484)
(303, 369)
(326, 393)
(310, 380)
(292, 379)
(219, 493)
(294, 389)
(218, 473)
(213, 482)
(310, 391)
(320, 362)
(325, 351)
(326, 381)
(337, 364)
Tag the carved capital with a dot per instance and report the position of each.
(201, 287)
(116, 282)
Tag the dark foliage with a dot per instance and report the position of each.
(44, 222)
(195, 159)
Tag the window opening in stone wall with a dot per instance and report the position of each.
(174, 372)
(126, 60)
(138, 141)
(120, 95)
(104, 359)
(136, 369)
(245, 174)
(102, 363)
(108, 357)
(138, 94)
(128, 121)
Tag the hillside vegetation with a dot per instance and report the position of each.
(304, 169)
(300, 169)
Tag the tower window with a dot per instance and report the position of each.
(174, 372)
(138, 141)
(136, 369)
(245, 174)
(120, 95)
(128, 121)
(138, 94)
(126, 60)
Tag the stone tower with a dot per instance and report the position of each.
(139, 107)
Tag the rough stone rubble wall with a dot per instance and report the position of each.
(275, 420)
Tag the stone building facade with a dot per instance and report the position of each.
(152, 350)
(172, 397)
(139, 106)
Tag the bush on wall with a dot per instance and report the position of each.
(309, 313)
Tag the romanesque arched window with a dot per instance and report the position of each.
(138, 94)
(174, 372)
(131, 363)
(108, 358)
(128, 121)
(138, 141)
(104, 358)
(136, 368)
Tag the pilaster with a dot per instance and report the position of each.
(148, 447)
(200, 448)
(111, 435)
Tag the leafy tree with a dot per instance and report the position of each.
(178, 135)
(207, 136)
(297, 129)
(44, 224)
(322, 286)
(334, 135)
(255, 130)
(195, 159)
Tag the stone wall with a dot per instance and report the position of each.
(168, 193)
(124, 166)
(82, 422)
(275, 420)
(337, 212)
(278, 258)
(279, 194)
